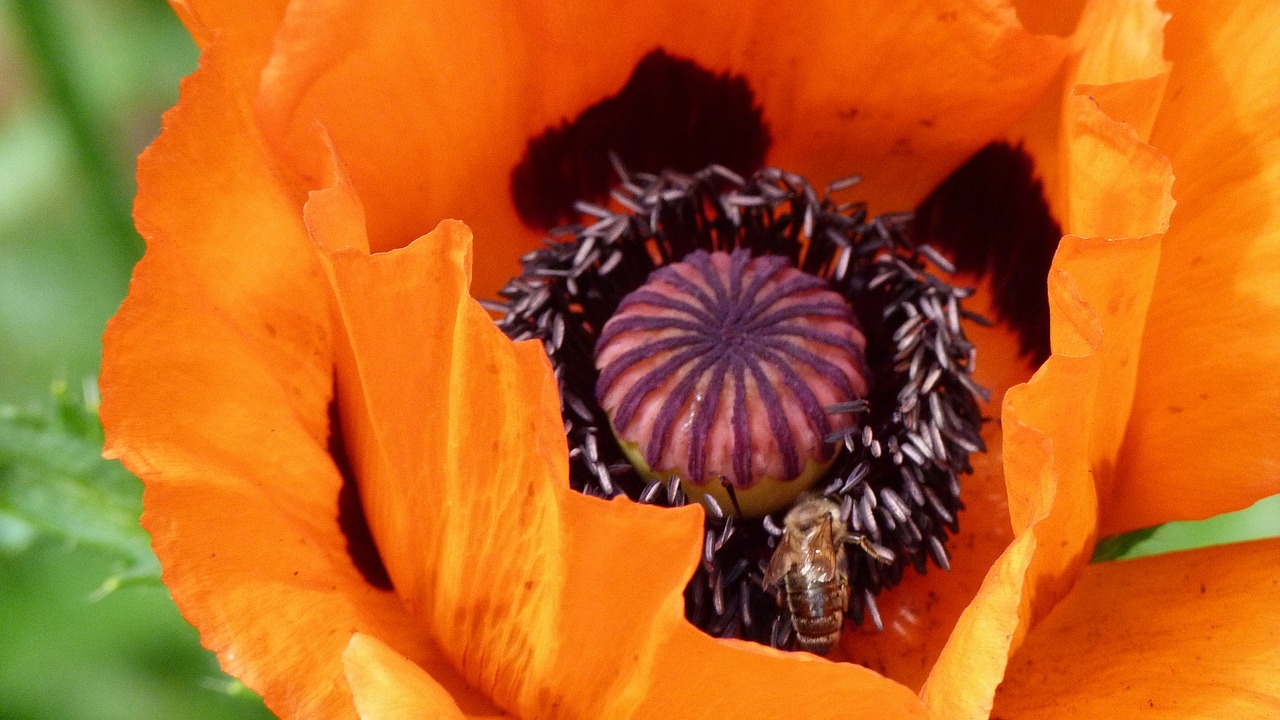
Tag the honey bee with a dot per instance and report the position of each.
(811, 564)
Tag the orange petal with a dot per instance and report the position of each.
(1050, 426)
(1186, 635)
(388, 686)
(1119, 41)
(696, 676)
(900, 92)
(216, 382)
(1095, 284)
(1118, 187)
(1050, 495)
(1119, 66)
(1057, 18)
(1062, 428)
(1214, 325)
(1115, 89)
(1110, 166)
(550, 602)
(243, 30)
(963, 680)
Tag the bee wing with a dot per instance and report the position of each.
(824, 558)
(783, 558)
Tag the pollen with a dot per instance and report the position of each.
(721, 368)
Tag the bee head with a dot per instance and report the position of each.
(811, 513)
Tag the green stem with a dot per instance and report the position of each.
(109, 184)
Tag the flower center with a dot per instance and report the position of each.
(674, 317)
(720, 369)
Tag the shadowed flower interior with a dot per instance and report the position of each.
(511, 593)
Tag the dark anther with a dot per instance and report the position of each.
(991, 214)
(733, 495)
(672, 113)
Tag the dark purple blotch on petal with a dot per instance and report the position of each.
(992, 216)
(671, 114)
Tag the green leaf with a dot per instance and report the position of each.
(1260, 520)
(53, 477)
(1116, 547)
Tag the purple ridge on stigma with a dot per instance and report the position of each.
(723, 365)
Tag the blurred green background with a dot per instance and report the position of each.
(82, 88)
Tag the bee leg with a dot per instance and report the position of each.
(878, 552)
(778, 596)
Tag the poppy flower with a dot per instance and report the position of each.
(298, 384)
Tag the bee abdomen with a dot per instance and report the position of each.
(817, 612)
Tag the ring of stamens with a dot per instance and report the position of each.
(897, 479)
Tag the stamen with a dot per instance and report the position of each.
(900, 451)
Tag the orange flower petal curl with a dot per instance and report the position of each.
(1063, 427)
(1050, 425)
(1187, 635)
(216, 382)
(385, 685)
(1205, 421)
